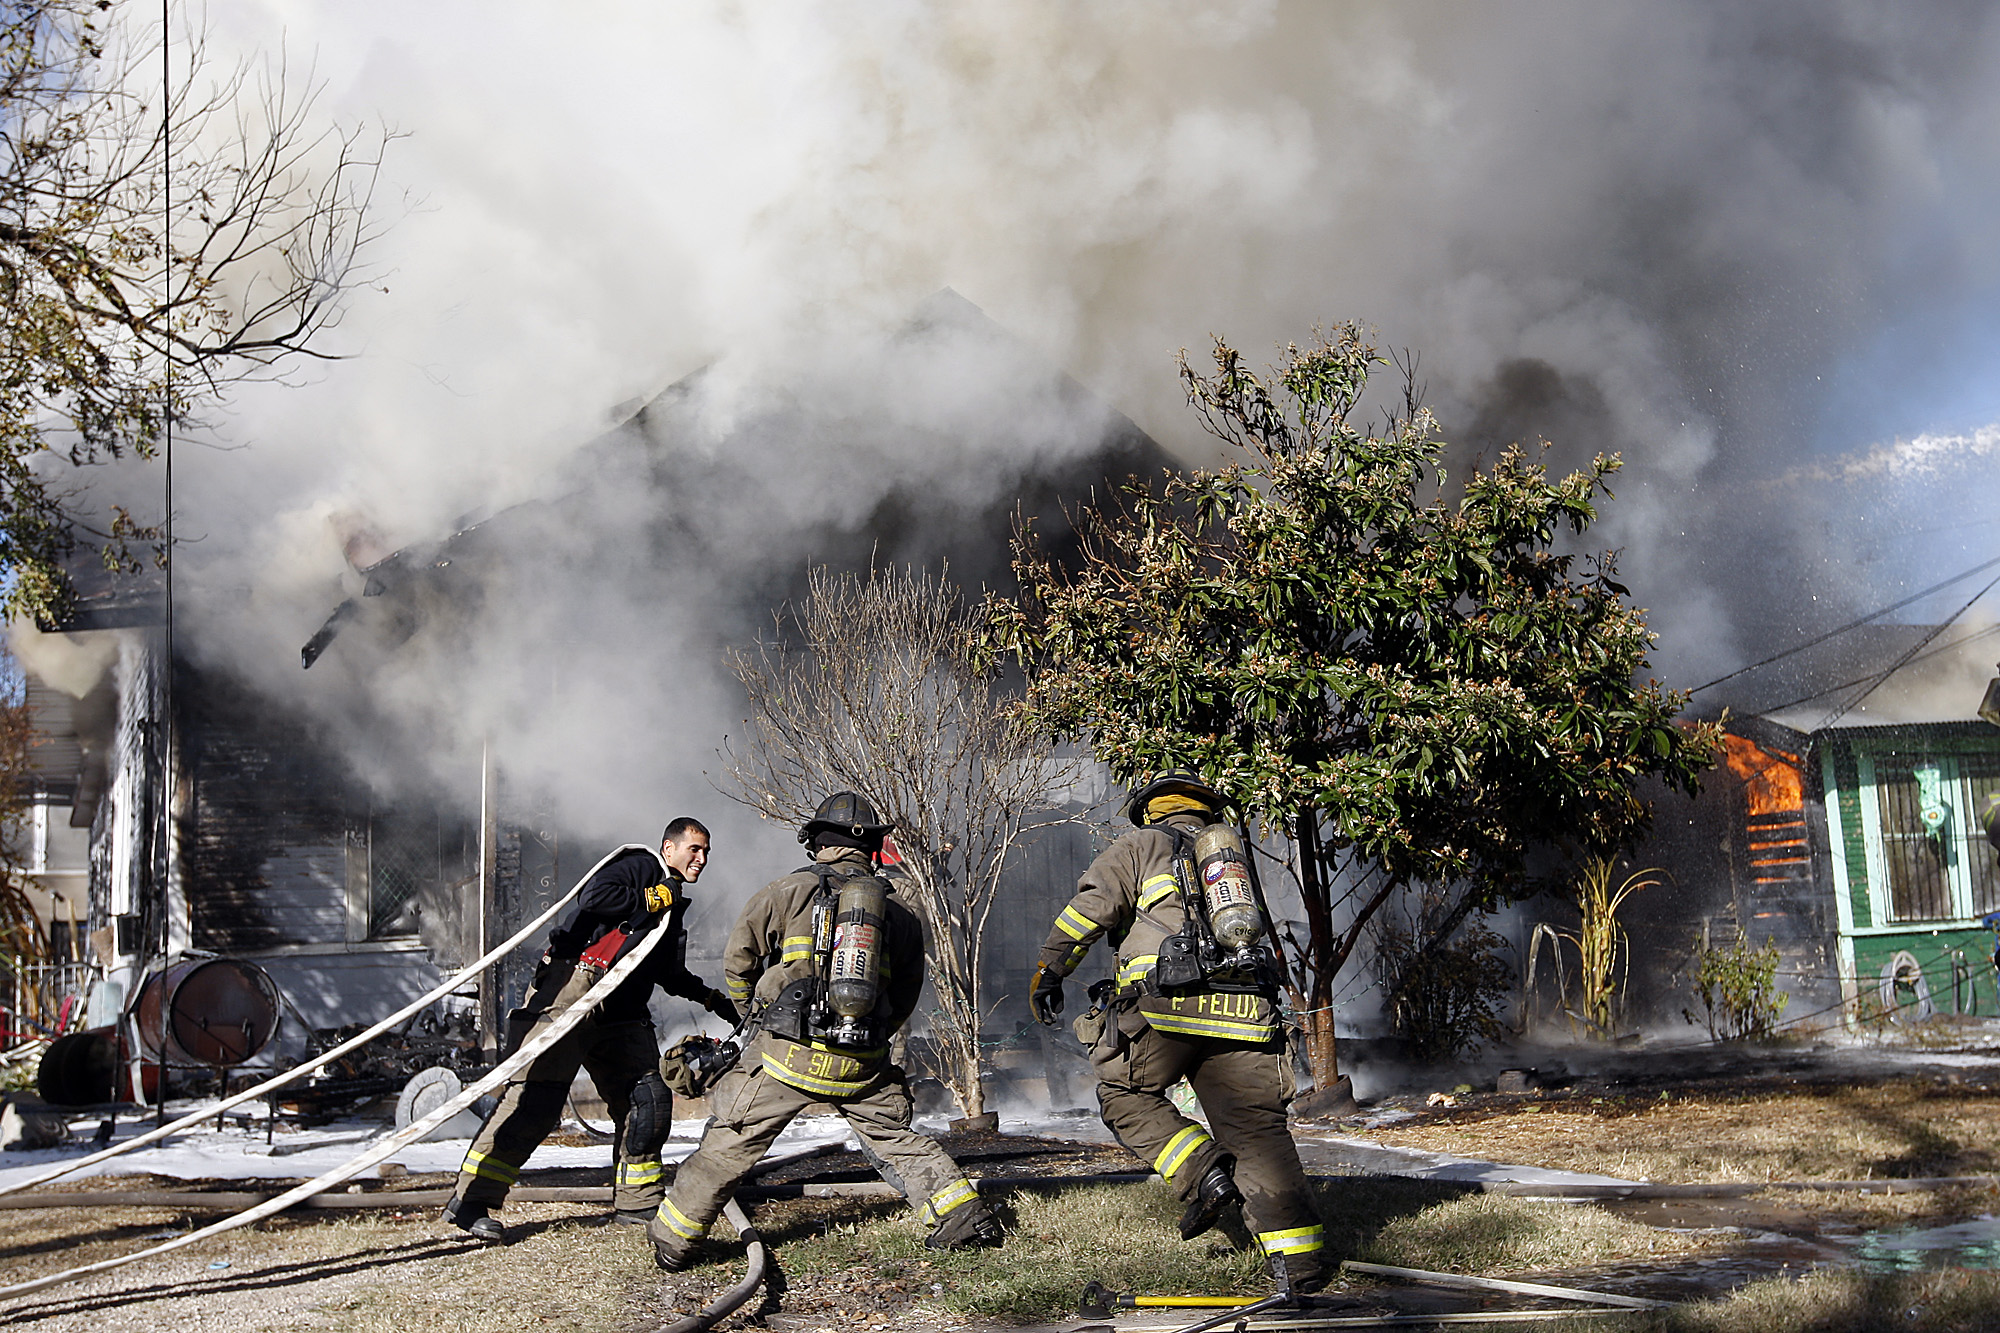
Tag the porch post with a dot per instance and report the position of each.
(490, 981)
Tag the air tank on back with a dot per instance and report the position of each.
(854, 975)
(1225, 887)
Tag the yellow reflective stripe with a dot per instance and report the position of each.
(489, 1168)
(640, 1171)
(825, 1087)
(1075, 955)
(952, 1197)
(1075, 924)
(1179, 1148)
(1135, 969)
(1299, 1240)
(1193, 1025)
(797, 948)
(1156, 888)
(679, 1222)
(738, 989)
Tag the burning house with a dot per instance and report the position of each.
(1850, 838)
(354, 848)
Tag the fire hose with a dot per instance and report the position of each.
(554, 1032)
(320, 1061)
(727, 1303)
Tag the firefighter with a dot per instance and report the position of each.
(1194, 996)
(637, 890)
(830, 963)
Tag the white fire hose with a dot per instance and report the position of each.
(534, 1046)
(321, 1061)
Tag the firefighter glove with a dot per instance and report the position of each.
(719, 1004)
(1046, 995)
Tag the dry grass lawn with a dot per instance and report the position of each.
(1898, 1130)
(1827, 1301)
(853, 1264)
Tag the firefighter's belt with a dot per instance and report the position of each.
(1225, 1015)
(824, 1071)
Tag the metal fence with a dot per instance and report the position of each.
(39, 1000)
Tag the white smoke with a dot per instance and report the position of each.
(1658, 229)
(1925, 456)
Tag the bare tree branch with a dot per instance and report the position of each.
(877, 685)
(163, 237)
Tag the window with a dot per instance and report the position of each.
(1981, 774)
(1928, 857)
(415, 859)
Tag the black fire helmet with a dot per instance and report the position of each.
(844, 812)
(1173, 782)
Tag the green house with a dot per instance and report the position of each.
(1910, 870)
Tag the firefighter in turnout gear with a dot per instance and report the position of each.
(1194, 996)
(635, 891)
(830, 963)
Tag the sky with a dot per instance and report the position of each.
(1750, 248)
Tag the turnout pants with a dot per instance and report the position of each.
(623, 1060)
(751, 1108)
(1243, 1088)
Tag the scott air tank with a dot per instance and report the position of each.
(1233, 917)
(854, 973)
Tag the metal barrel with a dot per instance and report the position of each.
(209, 1011)
(81, 1069)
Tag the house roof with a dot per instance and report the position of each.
(1873, 675)
(962, 511)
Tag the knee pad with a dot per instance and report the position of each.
(650, 1120)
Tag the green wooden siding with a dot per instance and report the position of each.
(1853, 843)
(1953, 954)
(1957, 965)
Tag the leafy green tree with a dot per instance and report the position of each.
(1407, 680)
(167, 229)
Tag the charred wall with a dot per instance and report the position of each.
(1745, 858)
(264, 840)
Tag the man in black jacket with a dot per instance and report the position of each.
(635, 890)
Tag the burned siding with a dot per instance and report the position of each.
(1775, 898)
(527, 877)
(265, 837)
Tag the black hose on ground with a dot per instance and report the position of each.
(729, 1301)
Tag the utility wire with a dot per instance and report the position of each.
(1904, 660)
(1852, 624)
(1953, 646)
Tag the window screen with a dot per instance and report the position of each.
(1918, 862)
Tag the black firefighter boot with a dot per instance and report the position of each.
(1215, 1193)
(967, 1225)
(472, 1219)
(1302, 1274)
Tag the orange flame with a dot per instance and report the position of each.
(1772, 782)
